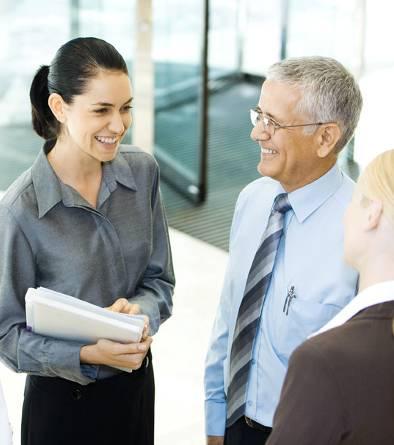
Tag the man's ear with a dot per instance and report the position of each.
(374, 212)
(57, 106)
(328, 136)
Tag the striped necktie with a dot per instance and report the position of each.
(251, 308)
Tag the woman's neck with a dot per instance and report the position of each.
(376, 271)
(78, 170)
(72, 165)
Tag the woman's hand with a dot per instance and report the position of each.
(110, 353)
(123, 306)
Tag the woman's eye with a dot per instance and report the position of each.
(127, 108)
(101, 110)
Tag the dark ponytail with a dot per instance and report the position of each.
(75, 63)
(44, 122)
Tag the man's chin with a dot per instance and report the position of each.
(264, 170)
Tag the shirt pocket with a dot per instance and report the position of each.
(304, 318)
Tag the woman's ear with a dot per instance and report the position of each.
(57, 106)
(328, 136)
(374, 212)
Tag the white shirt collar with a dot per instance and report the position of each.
(378, 293)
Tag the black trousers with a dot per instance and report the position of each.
(242, 434)
(117, 410)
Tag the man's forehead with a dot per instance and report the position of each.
(277, 97)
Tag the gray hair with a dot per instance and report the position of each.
(329, 91)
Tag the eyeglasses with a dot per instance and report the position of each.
(270, 126)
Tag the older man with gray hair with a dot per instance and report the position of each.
(286, 276)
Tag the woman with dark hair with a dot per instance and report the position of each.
(85, 220)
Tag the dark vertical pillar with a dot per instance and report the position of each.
(284, 28)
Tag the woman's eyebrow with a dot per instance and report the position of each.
(107, 104)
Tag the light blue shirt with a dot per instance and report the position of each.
(309, 261)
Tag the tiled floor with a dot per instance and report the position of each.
(179, 348)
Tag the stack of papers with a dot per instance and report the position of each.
(61, 316)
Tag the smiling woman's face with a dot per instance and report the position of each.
(96, 121)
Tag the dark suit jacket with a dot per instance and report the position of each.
(339, 388)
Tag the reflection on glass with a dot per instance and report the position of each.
(111, 20)
(376, 83)
(177, 62)
(379, 32)
(31, 32)
(326, 28)
(262, 35)
(224, 38)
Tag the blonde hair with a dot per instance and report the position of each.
(377, 182)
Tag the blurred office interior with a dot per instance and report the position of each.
(208, 59)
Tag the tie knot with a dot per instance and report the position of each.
(281, 203)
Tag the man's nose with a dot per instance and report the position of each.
(258, 133)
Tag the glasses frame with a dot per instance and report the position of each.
(256, 116)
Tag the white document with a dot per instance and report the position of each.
(57, 315)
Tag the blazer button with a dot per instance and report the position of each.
(76, 394)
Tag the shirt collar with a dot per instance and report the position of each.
(378, 293)
(48, 187)
(46, 184)
(119, 171)
(307, 199)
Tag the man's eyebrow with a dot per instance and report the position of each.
(267, 114)
(107, 104)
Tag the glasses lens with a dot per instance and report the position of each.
(254, 116)
(268, 125)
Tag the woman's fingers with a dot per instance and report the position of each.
(113, 348)
(119, 306)
(130, 355)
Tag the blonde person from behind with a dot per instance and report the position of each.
(339, 389)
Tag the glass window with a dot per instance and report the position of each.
(178, 91)
(31, 32)
(376, 83)
(326, 28)
(224, 38)
(261, 30)
(111, 20)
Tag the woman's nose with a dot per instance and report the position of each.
(117, 125)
